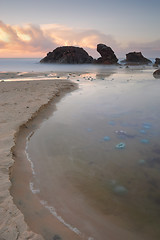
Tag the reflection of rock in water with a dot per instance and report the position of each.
(104, 75)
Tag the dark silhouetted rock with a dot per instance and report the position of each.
(157, 62)
(156, 74)
(107, 55)
(136, 58)
(68, 54)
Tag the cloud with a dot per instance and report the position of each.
(27, 40)
(36, 40)
(32, 40)
(88, 39)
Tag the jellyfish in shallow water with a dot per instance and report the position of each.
(144, 141)
(121, 145)
(112, 123)
(120, 190)
(147, 125)
(142, 162)
(106, 138)
(142, 131)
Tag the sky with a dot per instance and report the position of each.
(31, 28)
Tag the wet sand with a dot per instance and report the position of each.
(20, 101)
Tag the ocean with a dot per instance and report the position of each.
(33, 64)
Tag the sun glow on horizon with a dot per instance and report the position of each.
(35, 41)
(4, 36)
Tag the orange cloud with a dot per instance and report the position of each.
(35, 41)
(89, 38)
(23, 41)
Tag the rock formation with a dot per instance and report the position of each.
(136, 58)
(107, 55)
(157, 62)
(156, 74)
(67, 54)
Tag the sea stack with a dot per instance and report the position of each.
(68, 54)
(107, 55)
(136, 58)
(157, 62)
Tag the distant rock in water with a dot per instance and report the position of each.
(135, 58)
(157, 62)
(68, 54)
(107, 55)
(77, 55)
(156, 74)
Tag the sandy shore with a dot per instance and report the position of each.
(19, 102)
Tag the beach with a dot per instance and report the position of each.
(79, 120)
(19, 101)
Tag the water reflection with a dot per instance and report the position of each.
(76, 157)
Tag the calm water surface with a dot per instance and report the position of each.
(98, 156)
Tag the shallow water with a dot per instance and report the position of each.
(34, 65)
(79, 173)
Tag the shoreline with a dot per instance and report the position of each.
(20, 102)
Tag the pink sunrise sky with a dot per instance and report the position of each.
(32, 28)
